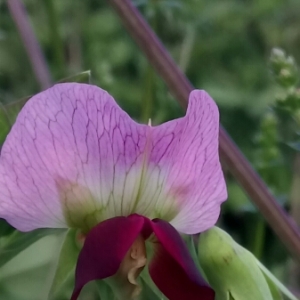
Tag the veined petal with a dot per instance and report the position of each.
(182, 180)
(185, 183)
(186, 153)
(72, 152)
(75, 158)
(172, 268)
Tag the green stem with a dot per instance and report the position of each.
(259, 237)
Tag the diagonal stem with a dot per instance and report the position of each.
(238, 165)
(31, 44)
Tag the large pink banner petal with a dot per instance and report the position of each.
(75, 158)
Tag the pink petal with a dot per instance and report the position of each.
(68, 158)
(186, 152)
(74, 158)
(172, 268)
(104, 249)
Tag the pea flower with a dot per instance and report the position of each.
(75, 159)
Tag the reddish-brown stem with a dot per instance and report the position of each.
(31, 44)
(238, 165)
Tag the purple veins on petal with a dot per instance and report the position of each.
(74, 158)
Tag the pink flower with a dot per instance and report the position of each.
(75, 159)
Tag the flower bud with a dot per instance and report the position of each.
(231, 270)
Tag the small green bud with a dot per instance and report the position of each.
(231, 270)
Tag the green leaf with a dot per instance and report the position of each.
(275, 284)
(66, 263)
(5, 228)
(18, 241)
(5, 123)
(8, 114)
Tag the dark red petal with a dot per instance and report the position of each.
(172, 269)
(104, 249)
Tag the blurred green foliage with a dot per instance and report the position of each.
(222, 45)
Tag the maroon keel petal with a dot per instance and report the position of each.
(104, 249)
(172, 268)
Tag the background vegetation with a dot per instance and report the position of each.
(223, 46)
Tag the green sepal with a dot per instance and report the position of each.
(275, 285)
(274, 289)
(105, 291)
(189, 240)
(231, 270)
(148, 293)
(66, 263)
